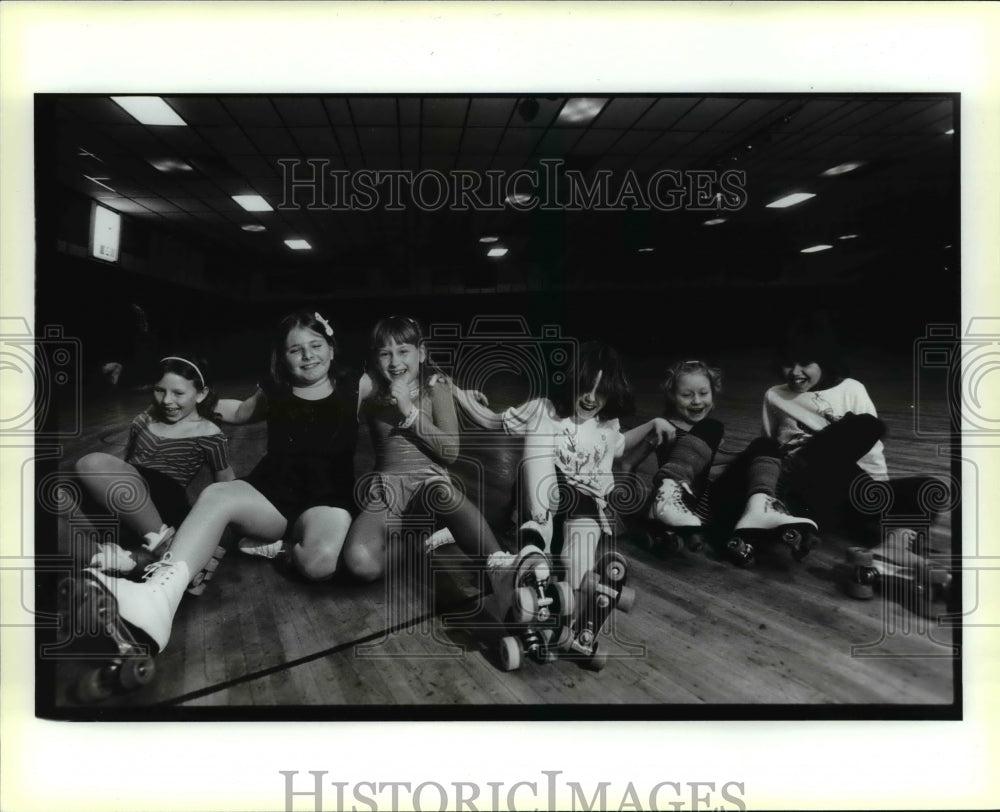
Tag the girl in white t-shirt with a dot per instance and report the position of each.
(829, 435)
(571, 441)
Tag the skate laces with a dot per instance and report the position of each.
(164, 565)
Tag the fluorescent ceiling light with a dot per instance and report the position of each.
(576, 111)
(170, 165)
(488, 239)
(646, 250)
(254, 227)
(949, 132)
(847, 236)
(841, 169)
(714, 221)
(98, 182)
(496, 252)
(149, 110)
(789, 200)
(253, 202)
(298, 245)
(812, 249)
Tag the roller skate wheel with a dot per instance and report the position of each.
(93, 686)
(590, 582)
(525, 608)
(615, 569)
(210, 567)
(672, 543)
(566, 599)
(562, 639)
(585, 638)
(791, 536)
(861, 590)
(220, 552)
(652, 540)
(135, 673)
(597, 660)
(626, 599)
(860, 557)
(695, 542)
(198, 589)
(510, 653)
(602, 601)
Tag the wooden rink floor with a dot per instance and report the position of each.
(261, 643)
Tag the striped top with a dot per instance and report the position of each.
(179, 458)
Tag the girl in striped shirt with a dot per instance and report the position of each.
(167, 446)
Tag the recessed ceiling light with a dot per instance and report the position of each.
(488, 239)
(150, 110)
(496, 252)
(714, 221)
(646, 250)
(298, 245)
(170, 165)
(520, 198)
(841, 169)
(847, 236)
(789, 200)
(253, 202)
(949, 132)
(576, 111)
(254, 227)
(812, 249)
(85, 153)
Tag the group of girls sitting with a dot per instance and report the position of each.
(820, 433)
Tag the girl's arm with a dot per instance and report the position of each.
(365, 389)
(659, 428)
(241, 411)
(472, 405)
(225, 475)
(439, 430)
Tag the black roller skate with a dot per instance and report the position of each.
(601, 591)
(532, 605)
(899, 574)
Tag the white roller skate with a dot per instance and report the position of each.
(128, 621)
(765, 521)
(528, 602)
(672, 523)
(113, 559)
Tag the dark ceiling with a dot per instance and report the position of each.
(901, 202)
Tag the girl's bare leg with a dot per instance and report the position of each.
(101, 474)
(365, 547)
(318, 538)
(220, 504)
(579, 548)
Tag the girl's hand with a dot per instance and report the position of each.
(478, 396)
(664, 430)
(399, 391)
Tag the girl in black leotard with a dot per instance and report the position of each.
(300, 492)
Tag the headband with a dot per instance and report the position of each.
(189, 363)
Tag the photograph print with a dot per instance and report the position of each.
(554, 406)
